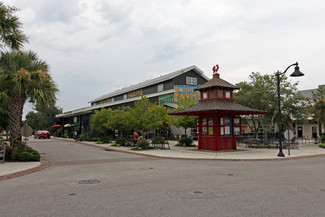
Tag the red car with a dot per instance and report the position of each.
(42, 134)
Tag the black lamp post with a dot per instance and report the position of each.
(296, 73)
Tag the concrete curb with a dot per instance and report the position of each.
(44, 164)
(201, 159)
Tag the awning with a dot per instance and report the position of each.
(57, 126)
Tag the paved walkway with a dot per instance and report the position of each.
(9, 170)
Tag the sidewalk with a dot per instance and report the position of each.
(10, 170)
(241, 154)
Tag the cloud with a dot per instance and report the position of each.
(97, 46)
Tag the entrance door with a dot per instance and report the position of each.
(300, 132)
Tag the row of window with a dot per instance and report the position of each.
(224, 126)
(216, 94)
(160, 88)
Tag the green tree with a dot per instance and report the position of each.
(23, 77)
(43, 118)
(318, 105)
(101, 119)
(319, 110)
(4, 117)
(261, 93)
(141, 114)
(122, 120)
(183, 120)
(158, 114)
(11, 34)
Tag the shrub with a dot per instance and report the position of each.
(58, 132)
(95, 139)
(17, 152)
(158, 140)
(322, 145)
(106, 139)
(144, 144)
(85, 137)
(322, 139)
(120, 141)
(185, 142)
(24, 156)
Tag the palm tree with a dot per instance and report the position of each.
(10, 28)
(23, 77)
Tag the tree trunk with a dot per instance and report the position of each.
(15, 114)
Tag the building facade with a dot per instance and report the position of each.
(165, 90)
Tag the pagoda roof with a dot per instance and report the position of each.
(217, 106)
(217, 82)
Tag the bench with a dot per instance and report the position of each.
(2, 153)
(292, 144)
(162, 145)
(251, 142)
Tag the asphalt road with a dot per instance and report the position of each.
(88, 181)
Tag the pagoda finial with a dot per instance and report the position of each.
(215, 71)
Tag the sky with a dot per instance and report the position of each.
(94, 47)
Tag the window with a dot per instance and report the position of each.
(112, 99)
(228, 94)
(220, 94)
(205, 95)
(191, 81)
(211, 93)
(228, 126)
(225, 126)
(210, 123)
(125, 96)
(160, 87)
(204, 128)
(237, 126)
(222, 127)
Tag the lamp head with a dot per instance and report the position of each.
(297, 72)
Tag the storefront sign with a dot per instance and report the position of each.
(135, 93)
(166, 98)
(182, 92)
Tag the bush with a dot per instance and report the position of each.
(17, 152)
(144, 144)
(158, 140)
(58, 132)
(106, 139)
(85, 137)
(95, 139)
(120, 141)
(24, 156)
(322, 145)
(322, 139)
(185, 142)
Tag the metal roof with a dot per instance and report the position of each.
(217, 82)
(216, 106)
(151, 82)
(90, 109)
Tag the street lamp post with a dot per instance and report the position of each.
(296, 73)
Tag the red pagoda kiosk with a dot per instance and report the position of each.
(219, 120)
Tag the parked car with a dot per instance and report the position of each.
(42, 134)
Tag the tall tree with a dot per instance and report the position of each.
(260, 93)
(23, 77)
(42, 118)
(101, 119)
(11, 34)
(318, 106)
(4, 117)
(184, 121)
